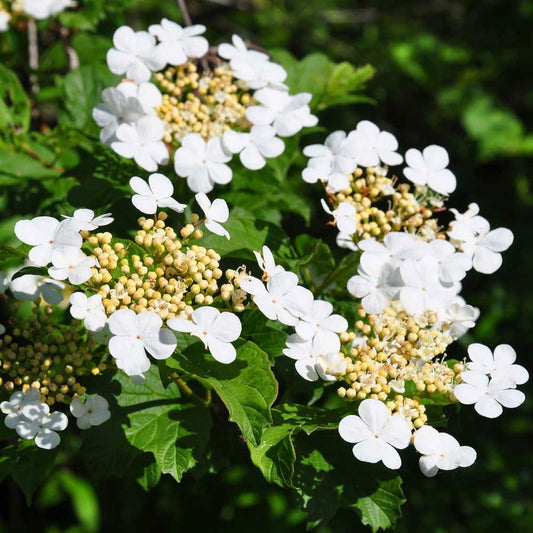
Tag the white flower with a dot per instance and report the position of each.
(146, 93)
(30, 287)
(497, 366)
(215, 213)
(84, 220)
(287, 114)
(370, 146)
(308, 354)
(202, 163)
(134, 335)
(255, 146)
(376, 433)
(37, 421)
(73, 264)
(177, 44)
(215, 329)
(42, 9)
(452, 266)
(282, 299)
(330, 162)
(344, 240)
(155, 194)
(267, 263)
(396, 247)
(460, 316)
(93, 412)
(142, 142)
(488, 396)
(441, 451)
(251, 66)
(429, 168)
(330, 366)
(13, 407)
(373, 288)
(344, 216)
(423, 290)
(117, 109)
(46, 234)
(483, 245)
(135, 54)
(320, 324)
(89, 309)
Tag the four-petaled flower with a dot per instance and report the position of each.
(93, 412)
(155, 194)
(376, 433)
(215, 329)
(89, 309)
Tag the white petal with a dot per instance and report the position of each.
(353, 429)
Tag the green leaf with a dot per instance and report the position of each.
(381, 509)
(265, 333)
(15, 108)
(150, 476)
(30, 465)
(16, 166)
(246, 234)
(83, 88)
(275, 454)
(10, 252)
(247, 387)
(176, 433)
(32, 271)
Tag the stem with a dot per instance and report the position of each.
(33, 55)
(185, 12)
(190, 393)
(73, 59)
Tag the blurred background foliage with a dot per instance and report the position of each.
(450, 72)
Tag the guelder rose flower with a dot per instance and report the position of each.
(93, 412)
(251, 66)
(441, 451)
(320, 324)
(84, 220)
(89, 309)
(37, 421)
(287, 114)
(73, 264)
(46, 234)
(429, 168)
(267, 263)
(134, 335)
(215, 213)
(177, 44)
(344, 217)
(155, 194)
(370, 146)
(202, 163)
(487, 395)
(372, 288)
(13, 407)
(282, 299)
(135, 54)
(497, 366)
(255, 146)
(215, 329)
(42, 9)
(376, 433)
(142, 142)
(29, 287)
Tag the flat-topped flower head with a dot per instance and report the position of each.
(215, 329)
(370, 146)
(429, 168)
(498, 366)
(441, 451)
(142, 142)
(215, 214)
(89, 309)
(376, 433)
(134, 335)
(134, 54)
(155, 194)
(202, 163)
(488, 396)
(92, 412)
(177, 44)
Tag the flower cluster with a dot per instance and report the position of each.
(201, 106)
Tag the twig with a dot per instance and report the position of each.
(33, 55)
(185, 12)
